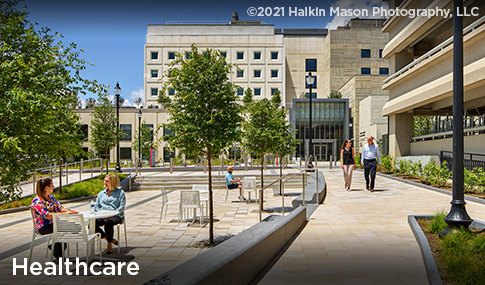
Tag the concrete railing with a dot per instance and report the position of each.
(240, 259)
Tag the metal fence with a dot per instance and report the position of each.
(470, 160)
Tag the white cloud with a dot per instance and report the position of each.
(137, 93)
(339, 21)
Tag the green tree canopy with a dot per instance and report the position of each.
(104, 135)
(146, 139)
(39, 84)
(262, 129)
(335, 94)
(204, 112)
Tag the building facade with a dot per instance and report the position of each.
(267, 60)
(420, 53)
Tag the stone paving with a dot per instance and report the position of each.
(361, 237)
(353, 238)
(155, 247)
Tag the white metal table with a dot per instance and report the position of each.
(92, 229)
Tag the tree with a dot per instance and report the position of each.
(288, 142)
(103, 127)
(90, 103)
(146, 140)
(138, 101)
(39, 84)
(204, 112)
(335, 94)
(262, 129)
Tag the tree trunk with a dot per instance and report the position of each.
(281, 175)
(211, 213)
(107, 162)
(262, 183)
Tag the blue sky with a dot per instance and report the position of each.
(112, 33)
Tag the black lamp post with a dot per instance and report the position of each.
(457, 217)
(310, 81)
(139, 137)
(117, 93)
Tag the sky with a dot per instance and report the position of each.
(113, 33)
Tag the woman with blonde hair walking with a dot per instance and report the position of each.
(347, 162)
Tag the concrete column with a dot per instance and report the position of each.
(401, 131)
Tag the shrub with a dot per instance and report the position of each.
(438, 223)
(416, 169)
(435, 175)
(470, 179)
(387, 163)
(404, 167)
(357, 159)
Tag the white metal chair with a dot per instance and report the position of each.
(123, 223)
(249, 185)
(204, 196)
(72, 229)
(35, 235)
(189, 200)
(165, 203)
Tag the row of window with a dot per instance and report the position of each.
(365, 53)
(257, 73)
(382, 70)
(256, 91)
(239, 55)
(125, 129)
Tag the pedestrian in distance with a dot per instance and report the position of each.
(233, 183)
(371, 159)
(347, 162)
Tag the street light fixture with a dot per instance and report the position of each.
(139, 136)
(310, 81)
(117, 93)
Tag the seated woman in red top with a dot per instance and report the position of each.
(43, 206)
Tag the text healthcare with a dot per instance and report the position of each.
(51, 268)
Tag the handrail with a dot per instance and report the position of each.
(283, 196)
(440, 47)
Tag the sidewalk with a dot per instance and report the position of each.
(353, 238)
(362, 237)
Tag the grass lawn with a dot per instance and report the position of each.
(80, 189)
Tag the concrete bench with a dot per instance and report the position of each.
(310, 191)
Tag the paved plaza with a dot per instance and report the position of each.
(355, 237)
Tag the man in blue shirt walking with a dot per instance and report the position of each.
(371, 158)
(233, 183)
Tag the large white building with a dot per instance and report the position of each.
(267, 60)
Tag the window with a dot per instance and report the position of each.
(150, 127)
(224, 54)
(240, 55)
(274, 73)
(154, 91)
(314, 95)
(365, 53)
(126, 132)
(311, 65)
(257, 55)
(171, 55)
(188, 55)
(257, 73)
(154, 73)
(240, 91)
(273, 90)
(171, 91)
(314, 82)
(380, 53)
(240, 73)
(154, 54)
(365, 70)
(125, 152)
(169, 73)
(383, 70)
(257, 91)
(84, 132)
(167, 131)
(274, 55)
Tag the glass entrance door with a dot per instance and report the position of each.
(320, 152)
